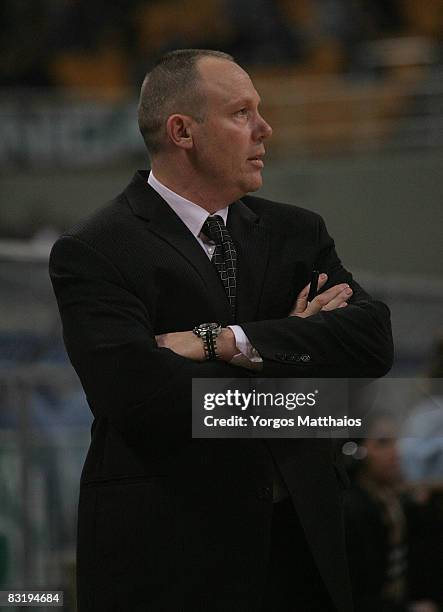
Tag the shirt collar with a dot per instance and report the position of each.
(192, 215)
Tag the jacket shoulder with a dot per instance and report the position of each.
(114, 213)
(281, 213)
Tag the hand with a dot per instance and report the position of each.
(188, 345)
(332, 298)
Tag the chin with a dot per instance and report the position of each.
(253, 184)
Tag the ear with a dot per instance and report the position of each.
(179, 130)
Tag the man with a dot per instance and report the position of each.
(167, 522)
(375, 526)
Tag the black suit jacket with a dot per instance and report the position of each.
(167, 522)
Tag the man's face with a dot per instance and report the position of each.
(383, 458)
(228, 145)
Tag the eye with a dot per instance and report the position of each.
(243, 112)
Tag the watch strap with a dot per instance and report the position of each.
(208, 332)
(210, 344)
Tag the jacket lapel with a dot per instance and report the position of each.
(251, 240)
(148, 205)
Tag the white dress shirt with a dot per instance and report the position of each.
(194, 216)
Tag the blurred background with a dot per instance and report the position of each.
(354, 92)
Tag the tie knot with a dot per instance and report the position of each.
(214, 228)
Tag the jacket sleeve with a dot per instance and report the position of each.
(143, 390)
(355, 341)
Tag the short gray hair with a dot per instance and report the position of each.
(172, 86)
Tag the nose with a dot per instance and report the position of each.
(264, 130)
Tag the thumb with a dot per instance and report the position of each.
(301, 302)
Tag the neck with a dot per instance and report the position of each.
(191, 187)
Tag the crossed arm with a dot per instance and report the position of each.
(141, 382)
(188, 345)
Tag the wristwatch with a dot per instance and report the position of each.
(209, 332)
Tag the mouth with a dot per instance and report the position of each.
(257, 160)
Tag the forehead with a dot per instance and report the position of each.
(224, 81)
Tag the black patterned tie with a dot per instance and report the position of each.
(225, 256)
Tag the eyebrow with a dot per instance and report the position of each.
(243, 101)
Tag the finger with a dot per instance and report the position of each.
(332, 292)
(321, 301)
(322, 279)
(337, 301)
(302, 299)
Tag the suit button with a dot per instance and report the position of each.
(265, 493)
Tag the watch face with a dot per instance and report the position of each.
(208, 326)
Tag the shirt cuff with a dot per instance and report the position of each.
(248, 357)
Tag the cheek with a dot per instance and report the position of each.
(231, 158)
(224, 151)
(237, 143)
